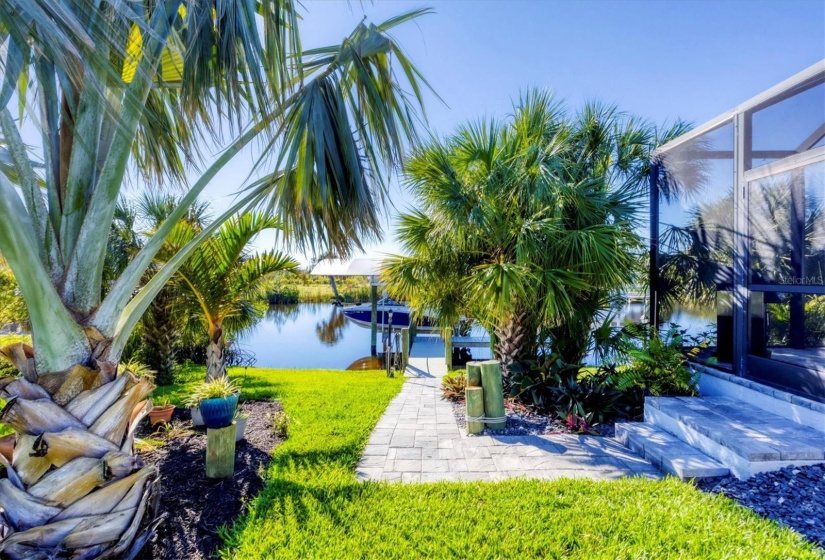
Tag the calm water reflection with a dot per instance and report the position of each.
(307, 335)
(318, 335)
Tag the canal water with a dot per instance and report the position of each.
(318, 335)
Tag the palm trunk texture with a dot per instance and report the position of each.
(216, 354)
(74, 488)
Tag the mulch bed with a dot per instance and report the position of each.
(523, 421)
(196, 506)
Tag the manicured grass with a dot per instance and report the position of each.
(312, 506)
(6, 339)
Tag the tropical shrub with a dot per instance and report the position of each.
(659, 363)
(453, 385)
(581, 397)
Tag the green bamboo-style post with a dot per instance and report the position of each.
(405, 347)
(448, 348)
(220, 452)
(473, 374)
(475, 407)
(493, 392)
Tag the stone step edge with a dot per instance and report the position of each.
(748, 450)
(667, 452)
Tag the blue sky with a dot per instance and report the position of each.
(660, 60)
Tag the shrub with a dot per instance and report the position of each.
(660, 364)
(218, 388)
(581, 397)
(138, 369)
(280, 424)
(283, 295)
(452, 386)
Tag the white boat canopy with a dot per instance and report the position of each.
(352, 267)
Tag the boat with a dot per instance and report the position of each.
(361, 315)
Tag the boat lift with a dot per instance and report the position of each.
(369, 267)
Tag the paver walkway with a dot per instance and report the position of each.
(418, 440)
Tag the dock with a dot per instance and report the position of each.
(428, 357)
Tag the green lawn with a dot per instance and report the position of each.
(312, 506)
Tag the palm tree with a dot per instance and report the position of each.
(162, 325)
(119, 89)
(224, 284)
(528, 226)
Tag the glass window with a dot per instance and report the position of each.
(792, 125)
(787, 227)
(789, 328)
(696, 232)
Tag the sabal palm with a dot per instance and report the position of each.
(115, 86)
(527, 225)
(224, 283)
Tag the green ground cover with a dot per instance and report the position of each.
(312, 507)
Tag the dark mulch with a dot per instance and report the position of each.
(523, 421)
(196, 506)
(793, 496)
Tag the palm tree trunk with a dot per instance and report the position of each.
(215, 353)
(160, 335)
(513, 342)
(74, 487)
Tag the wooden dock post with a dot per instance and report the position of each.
(493, 392)
(473, 374)
(405, 347)
(475, 408)
(448, 348)
(220, 452)
(373, 319)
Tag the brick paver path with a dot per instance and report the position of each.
(418, 440)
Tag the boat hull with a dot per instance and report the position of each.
(400, 318)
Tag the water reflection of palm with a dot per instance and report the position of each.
(329, 331)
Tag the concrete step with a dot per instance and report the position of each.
(745, 438)
(668, 453)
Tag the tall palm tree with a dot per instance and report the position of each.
(137, 88)
(528, 226)
(224, 283)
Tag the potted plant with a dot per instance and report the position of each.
(216, 400)
(240, 425)
(161, 411)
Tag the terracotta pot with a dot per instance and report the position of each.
(161, 414)
(7, 445)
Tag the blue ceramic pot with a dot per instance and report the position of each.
(219, 413)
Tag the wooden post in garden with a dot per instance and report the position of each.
(220, 452)
(405, 347)
(448, 348)
(493, 392)
(475, 408)
(373, 318)
(473, 374)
